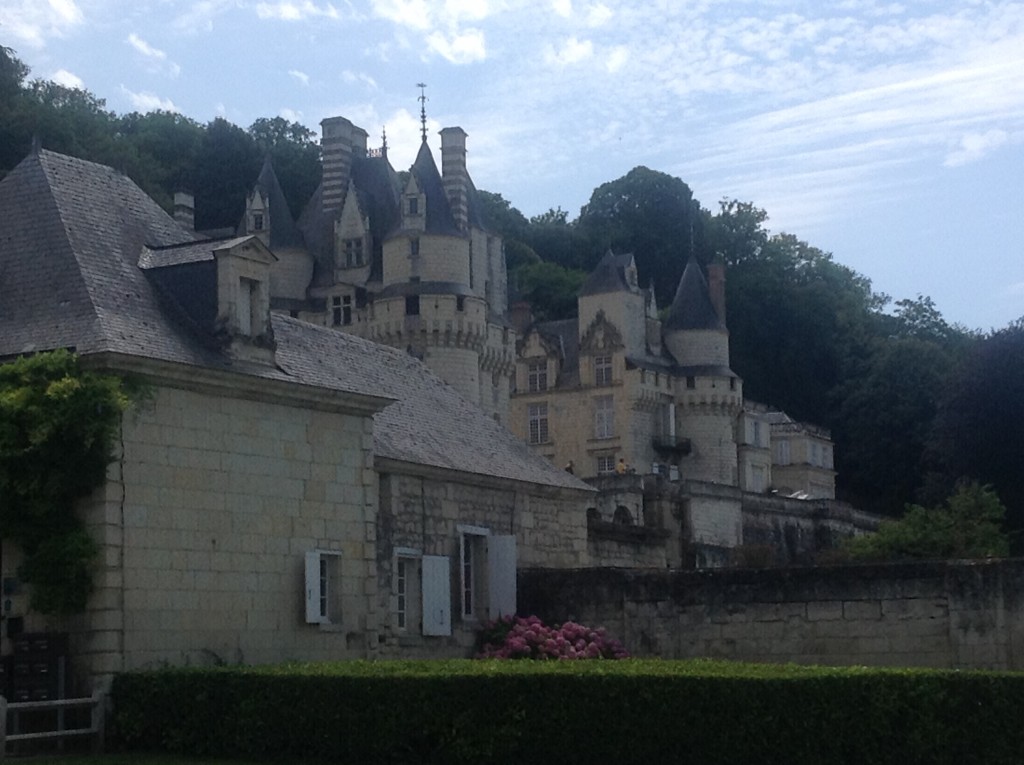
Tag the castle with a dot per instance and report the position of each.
(411, 264)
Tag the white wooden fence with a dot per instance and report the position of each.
(96, 702)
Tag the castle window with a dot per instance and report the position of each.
(757, 433)
(606, 463)
(412, 305)
(602, 370)
(537, 375)
(249, 320)
(537, 420)
(341, 310)
(460, 302)
(414, 206)
(604, 417)
(782, 453)
(257, 222)
(414, 247)
(691, 383)
(353, 252)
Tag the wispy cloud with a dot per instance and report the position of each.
(300, 76)
(67, 79)
(148, 102)
(570, 51)
(296, 11)
(353, 77)
(32, 22)
(462, 48)
(156, 58)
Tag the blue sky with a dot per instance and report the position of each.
(890, 134)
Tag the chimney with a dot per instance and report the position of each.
(185, 210)
(455, 175)
(336, 146)
(716, 286)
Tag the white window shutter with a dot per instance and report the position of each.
(437, 595)
(313, 615)
(501, 575)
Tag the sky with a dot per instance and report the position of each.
(890, 134)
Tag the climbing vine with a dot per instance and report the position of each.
(58, 425)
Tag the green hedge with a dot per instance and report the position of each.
(574, 712)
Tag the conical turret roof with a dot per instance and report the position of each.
(692, 307)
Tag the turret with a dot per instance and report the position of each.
(695, 333)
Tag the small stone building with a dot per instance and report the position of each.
(287, 491)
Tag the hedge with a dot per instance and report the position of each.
(633, 711)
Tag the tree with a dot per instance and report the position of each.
(969, 525)
(650, 214)
(227, 166)
(550, 289)
(978, 429)
(160, 151)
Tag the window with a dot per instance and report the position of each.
(414, 247)
(323, 587)
(758, 478)
(412, 305)
(782, 453)
(606, 463)
(691, 383)
(487, 566)
(602, 370)
(249, 321)
(757, 433)
(537, 375)
(257, 222)
(421, 592)
(604, 417)
(341, 310)
(414, 206)
(537, 415)
(353, 252)
(460, 303)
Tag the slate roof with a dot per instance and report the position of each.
(692, 308)
(609, 275)
(439, 212)
(283, 231)
(71, 236)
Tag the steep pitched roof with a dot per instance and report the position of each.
(609, 275)
(72, 234)
(692, 308)
(439, 213)
(283, 231)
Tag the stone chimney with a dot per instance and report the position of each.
(716, 286)
(455, 175)
(337, 146)
(185, 210)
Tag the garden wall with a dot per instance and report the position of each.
(938, 614)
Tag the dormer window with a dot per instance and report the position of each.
(602, 370)
(249, 319)
(341, 310)
(413, 205)
(257, 222)
(353, 253)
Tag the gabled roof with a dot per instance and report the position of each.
(439, 213)
(692, 308)
(609, 275)
(283, 231)
(72, 234)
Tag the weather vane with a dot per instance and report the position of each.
(423, 109)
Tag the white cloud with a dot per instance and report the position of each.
(148, 102)
(145, 48)
(296, 11)
(562, 7)
(353, 77)
(291, 115)
(32, 22)
(300, 76)
(462, 48)
(617, 58)
(598, 15)
(572, 52)
(67, 79)
(200, 16)
(974, 146)
(409, 13)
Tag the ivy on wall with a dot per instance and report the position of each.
(58, 426)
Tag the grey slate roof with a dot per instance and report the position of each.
(439, 213)
(283, 231)
(692, 308)
(71, 236)
(609, 275)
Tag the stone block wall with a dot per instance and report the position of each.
(204, 524)
(966, 615)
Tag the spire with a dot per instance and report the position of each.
(423, 109)
(384, 141)
(692, 307)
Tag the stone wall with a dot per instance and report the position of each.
(967, 615)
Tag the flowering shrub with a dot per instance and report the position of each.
(529, 638)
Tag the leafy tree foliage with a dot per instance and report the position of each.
(649, 213)
(228, 163)
(58, 424)
(550, 289)
(969, 525)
